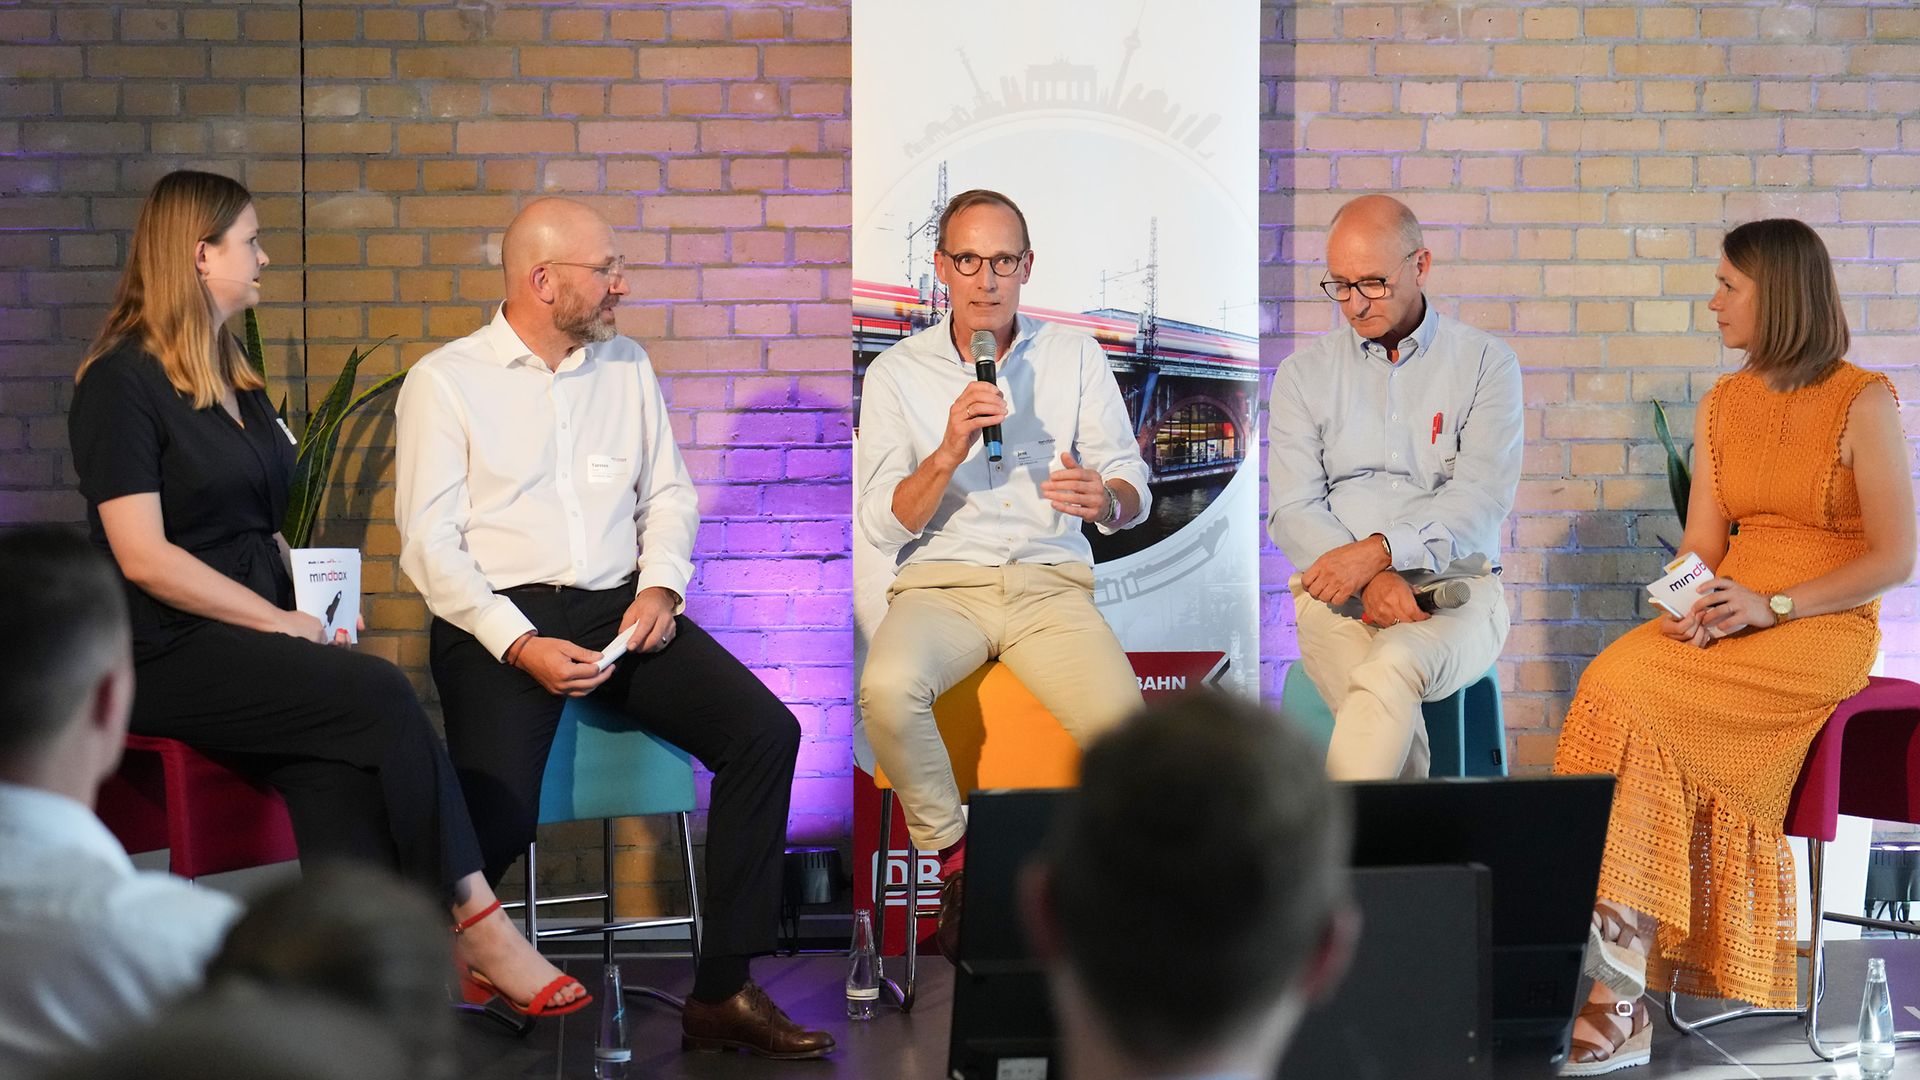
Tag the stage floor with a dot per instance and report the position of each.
(914, 1046)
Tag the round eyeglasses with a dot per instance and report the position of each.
(968, 263)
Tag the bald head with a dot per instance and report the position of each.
(1375, 238)
(563, 276)
(549, 229)
(1377, 217)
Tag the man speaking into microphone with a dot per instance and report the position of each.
(986, 442)
(1393, 452)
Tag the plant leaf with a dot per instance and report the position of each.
(313, 465)
(1679, 477)
(256, 354)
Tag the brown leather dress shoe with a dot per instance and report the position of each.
(946, 932)
(750, 1021)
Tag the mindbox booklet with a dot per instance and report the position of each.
(326, 585)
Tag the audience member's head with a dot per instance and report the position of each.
(357, 936)
(66, 666)
(1193, 898)
(243, 1033)
(1778, 300)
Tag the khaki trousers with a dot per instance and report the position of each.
(1374, 680)
(943, 621)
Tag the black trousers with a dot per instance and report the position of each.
(340, 734)
(693, 693)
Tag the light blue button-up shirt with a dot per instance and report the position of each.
(1425, 451)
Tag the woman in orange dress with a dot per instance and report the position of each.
(1803, 452)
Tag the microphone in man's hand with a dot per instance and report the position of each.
(1440, 595)
(983, 349)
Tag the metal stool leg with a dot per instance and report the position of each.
(654, 992)
(1816, 975)
(904, 996)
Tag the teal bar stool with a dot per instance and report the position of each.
(1466, 730)
(603, 767)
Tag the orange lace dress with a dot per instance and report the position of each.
(1706, 743)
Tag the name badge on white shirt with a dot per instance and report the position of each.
(1028, 455)
(605, 469)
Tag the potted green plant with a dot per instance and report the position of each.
(320, 439)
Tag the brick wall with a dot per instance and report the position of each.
(1575, 167)
(389, 144)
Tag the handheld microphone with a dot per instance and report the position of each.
(1440, 595)
(983, 349)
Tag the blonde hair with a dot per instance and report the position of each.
(1800, 327)
(162, 303)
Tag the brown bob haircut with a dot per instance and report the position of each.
(1799, 326)
(967, 200)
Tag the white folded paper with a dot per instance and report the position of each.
(326, 585)
(616, 648)
(1679, 589)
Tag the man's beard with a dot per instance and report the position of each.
(580, 320)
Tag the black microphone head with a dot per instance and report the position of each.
(982, 346)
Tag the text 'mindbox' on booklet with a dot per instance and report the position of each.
(326, 585)
(1679, 589)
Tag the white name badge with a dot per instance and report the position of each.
(604, 469)
(287, 431)
(1033, 454)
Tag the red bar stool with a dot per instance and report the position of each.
(1865, 762)
(208, 817)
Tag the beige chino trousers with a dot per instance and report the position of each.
(1373, 680)
(943, 621)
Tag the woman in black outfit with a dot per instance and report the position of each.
(185, 469)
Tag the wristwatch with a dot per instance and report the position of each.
(1112, 516)
(1782, 607)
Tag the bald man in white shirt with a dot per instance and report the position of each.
(92, 946)
(543, 510)
(992, 561)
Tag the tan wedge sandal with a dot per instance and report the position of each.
(1616, 955)
(1589, 1058)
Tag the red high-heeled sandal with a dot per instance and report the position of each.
(477, 989)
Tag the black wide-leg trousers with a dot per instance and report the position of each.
(340, 734)
(693, 693)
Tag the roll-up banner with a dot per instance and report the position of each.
(1127, 134)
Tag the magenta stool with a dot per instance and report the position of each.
(1865, 762)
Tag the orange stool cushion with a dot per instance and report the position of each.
(1000, 736)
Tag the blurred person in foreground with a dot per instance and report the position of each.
(1192, 900)
(243, 1033)
(92, 946)
(357, 936)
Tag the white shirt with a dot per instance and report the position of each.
(513, 474)
(1061, 397)
(90, 947)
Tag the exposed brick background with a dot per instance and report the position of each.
(1575, 167)
(388, 143)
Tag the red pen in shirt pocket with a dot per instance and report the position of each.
(1438, 420)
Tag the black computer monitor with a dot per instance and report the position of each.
(1540, 837)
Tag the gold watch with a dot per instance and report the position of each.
(1782, 607)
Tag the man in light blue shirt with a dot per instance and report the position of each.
(1393, 450)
